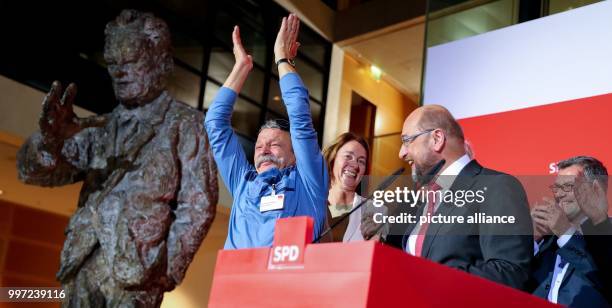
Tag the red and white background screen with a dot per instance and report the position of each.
(530, 95)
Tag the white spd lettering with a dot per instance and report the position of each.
(552, 168)
(286, 253)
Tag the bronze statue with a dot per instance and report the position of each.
(149, 179)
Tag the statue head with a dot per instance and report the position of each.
(138, 52)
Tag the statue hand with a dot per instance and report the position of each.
(592, 199)
(58, 121)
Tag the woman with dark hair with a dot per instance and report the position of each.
(347, 162)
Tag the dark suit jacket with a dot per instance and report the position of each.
(501, 252)
(599, 244)
(584, 282)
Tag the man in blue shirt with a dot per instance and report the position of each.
(289, 177)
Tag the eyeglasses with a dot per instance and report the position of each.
(565, 187)
(406, 140)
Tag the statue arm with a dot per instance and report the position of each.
(58, 153)
(37, 165)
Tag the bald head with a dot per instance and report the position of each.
(431, 134)
(436, 116)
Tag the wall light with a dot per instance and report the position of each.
(376, 72)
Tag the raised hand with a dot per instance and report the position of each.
(242, 66)
(58, 121)
(592, 199)
(286, 44)
(243, 60)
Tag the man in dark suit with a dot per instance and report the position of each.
(500, 252)
(572, 236)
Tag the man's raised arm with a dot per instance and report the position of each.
(309, 160)
(228, 153)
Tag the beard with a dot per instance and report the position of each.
(268, 158)
(416, 176)
(419, 175)
(420, 172)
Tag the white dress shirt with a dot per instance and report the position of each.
(445, 180)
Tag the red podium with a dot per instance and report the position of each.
(295, 273)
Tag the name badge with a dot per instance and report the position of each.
(273, 202)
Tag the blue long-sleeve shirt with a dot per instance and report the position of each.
(305, 184)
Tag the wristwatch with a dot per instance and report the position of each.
(285, 60)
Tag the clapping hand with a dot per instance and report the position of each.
(242, 66)
(549, 218)
(540, 228)
(286, 44)
(243, 60)
(592, 199)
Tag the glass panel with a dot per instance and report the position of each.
(252, 38)
(245, 118)
(209, 93)
(188, 50)
(453, 24)
(312, 45)
(271, 116)
(437, 5)
(247, 11)
(276, 104)
(253, 86)
(221, 63)
(315, 111)
(184, 86)
(275, 101)
(312, 78)
(248, 146)
(557, 6)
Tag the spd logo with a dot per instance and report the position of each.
(291, 237)
(286, 253)
(286, 257)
